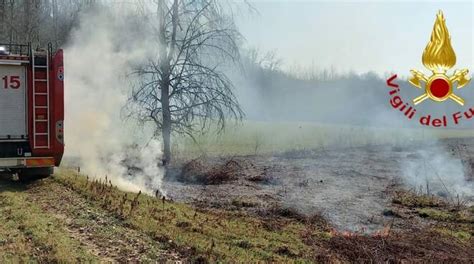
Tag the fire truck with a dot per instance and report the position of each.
(31, 110)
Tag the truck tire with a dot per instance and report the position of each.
(33, 174)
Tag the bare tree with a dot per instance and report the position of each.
(184, 89)
(268, 61)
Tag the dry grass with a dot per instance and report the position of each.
(400, 247)
(27, 233)
(206, 172)
(412, 200)
(202, 172)
(200, 234)
(279, 235)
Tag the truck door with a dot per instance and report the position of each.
(13, 125)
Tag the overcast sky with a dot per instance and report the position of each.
(362, 36)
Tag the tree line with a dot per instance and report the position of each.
(40, 22)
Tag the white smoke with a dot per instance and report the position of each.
(435, 170)
(102, 52)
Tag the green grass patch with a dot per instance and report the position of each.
(27, 233)
(462, 235)
(251, 137)
(447, 214)
(435, 214)
(410, 199)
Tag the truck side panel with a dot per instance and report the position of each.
(57, 115)
(56, 110)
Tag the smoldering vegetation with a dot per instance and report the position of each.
(102, 51)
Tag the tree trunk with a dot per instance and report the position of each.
(166, 128)
(3, 12)
(10, 27)
(55, 23)
(165, 85)
(26, 20)
(166, 75)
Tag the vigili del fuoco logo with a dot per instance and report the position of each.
(438, 57)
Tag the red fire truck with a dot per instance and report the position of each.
(31, 110)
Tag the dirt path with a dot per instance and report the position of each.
(81, 230)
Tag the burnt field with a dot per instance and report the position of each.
(352, 188)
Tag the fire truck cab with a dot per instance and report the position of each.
(31, 110)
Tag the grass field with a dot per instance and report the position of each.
(248, 138)
(68, 219)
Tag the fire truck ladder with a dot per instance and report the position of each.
(41, 118)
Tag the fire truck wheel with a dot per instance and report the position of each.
(29, 175)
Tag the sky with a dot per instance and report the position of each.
(358, 36)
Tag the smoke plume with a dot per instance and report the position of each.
(102, 53)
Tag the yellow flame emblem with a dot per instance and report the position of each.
(439, 57)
